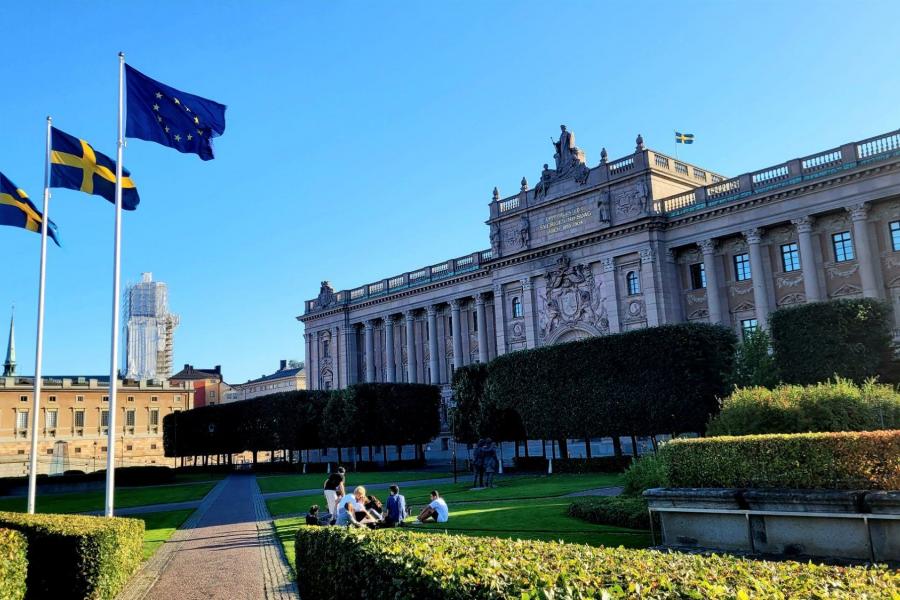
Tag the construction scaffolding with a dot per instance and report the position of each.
(149, 330)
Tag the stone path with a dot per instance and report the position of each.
(607, 491)
(226, 550)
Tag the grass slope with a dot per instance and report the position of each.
(159, 527)
(125, 498)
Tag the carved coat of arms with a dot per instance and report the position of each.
(571, 299)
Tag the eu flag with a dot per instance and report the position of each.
(74, 164)
(17, 210)
(161, 114)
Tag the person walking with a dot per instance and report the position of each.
(478, 464)
(333, 485)
(491, 462)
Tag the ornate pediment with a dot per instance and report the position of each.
(571, 300)
(570, 162)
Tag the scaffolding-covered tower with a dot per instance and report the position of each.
(150, 330)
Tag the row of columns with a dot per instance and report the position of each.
(433, 347)
(804, 227)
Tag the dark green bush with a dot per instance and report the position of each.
(838, 406)
(618, 511)
(77, 557)
(754, 364)
(846, 338)
(13, 564)
(851, 461)
(393, 564)
(597, 464)
(645, 473)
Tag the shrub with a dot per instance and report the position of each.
(847, 338)
(863, 460)
(392, 564)
(754, 364)
(619, 511)
(75, 556)
(13, 564)
(598, 464)
(645, 473)
(838, 406)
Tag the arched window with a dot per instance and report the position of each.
(633, 284)
(516, 307)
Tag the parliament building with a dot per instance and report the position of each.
(641, 240)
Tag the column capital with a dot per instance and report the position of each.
(858, 212)
(369, 324)
(526, 284)
(708, 246)
(454, 304)
(753, 235)
(479, 298)
(431, 310)
(410, 315)
(389, 318)
(804, 224)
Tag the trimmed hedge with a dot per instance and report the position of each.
(598, 464)
(13, 564)
(838, 406)
(645, 473)
(76, 556)
(852, 461)
(816, 341)
(619, 511)
(390, 564)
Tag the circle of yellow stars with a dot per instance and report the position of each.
(177, 137)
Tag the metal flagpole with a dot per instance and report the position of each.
(114, 350)
(39, 352)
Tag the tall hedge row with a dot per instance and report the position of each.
(475, 416)
(73, 557)
(361, 415)
(13, 564)
(817, 341)
(658, 380)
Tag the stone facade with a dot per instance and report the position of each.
(640, 241)
(290, 376)
(71, 430)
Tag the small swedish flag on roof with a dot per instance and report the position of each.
(684, 138)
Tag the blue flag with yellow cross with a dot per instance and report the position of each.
(75, 165)
(16, 210)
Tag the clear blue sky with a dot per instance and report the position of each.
(363, 139)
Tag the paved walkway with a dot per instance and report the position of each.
(226, 550)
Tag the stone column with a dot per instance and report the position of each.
(758, 276)
(369, 328)
(433, 363)
(528, 313)
(307, 339)
(456, 332)
(804, 227)
(610, 289)
(500, 319)
(713, 297)
(410, 346)
(482, 328)
(389, 366)
(863, 245)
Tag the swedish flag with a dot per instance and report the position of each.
(77, 166)
(684, 138)
(17, 210)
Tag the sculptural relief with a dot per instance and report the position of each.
(570, 162)
(632, 201)
(571, 300)
(326, 295)
(603, 208)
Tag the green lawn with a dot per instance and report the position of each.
(314, 481)
(159, 527)
(508, 488)
(125, 497)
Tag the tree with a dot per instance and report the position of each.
(754, 362)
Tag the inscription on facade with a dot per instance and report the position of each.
(565, 220)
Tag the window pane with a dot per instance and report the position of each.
(698, 276)
(79, 418)
(154, 417)
(51, 419)
(895, 236)
(22, 419)
(742, 267)
(633, 284)
(843, 246)
(104, 418)
(129, 418)
(748, 326)
(790, 258)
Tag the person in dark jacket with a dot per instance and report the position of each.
(478, 464)
(491, 462)
(395, 509)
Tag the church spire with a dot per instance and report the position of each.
(9, 367)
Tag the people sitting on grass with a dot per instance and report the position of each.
(333, 485)
(396, 508)
(374, 507)
(312, 517)
(352, 510)
(436, 510)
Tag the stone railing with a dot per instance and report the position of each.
(787, 173)
(443, 270)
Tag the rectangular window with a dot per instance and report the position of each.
(178, 398)
(104, 418)
(475, 321)
(104, 399)
(790, 258)
(742, 267)
(77, 450)
(129, 417)
(79, 398)
(154, 419)
(154, 398)
(52, 399)
(748, 326)
(23, 398)
(50, 419)
(79, 418)
(843, 246)
(895, 236)
(698, 276)
(130, 398)
(22, 419)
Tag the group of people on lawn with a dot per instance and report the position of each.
(360, 509)
(485, 463)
